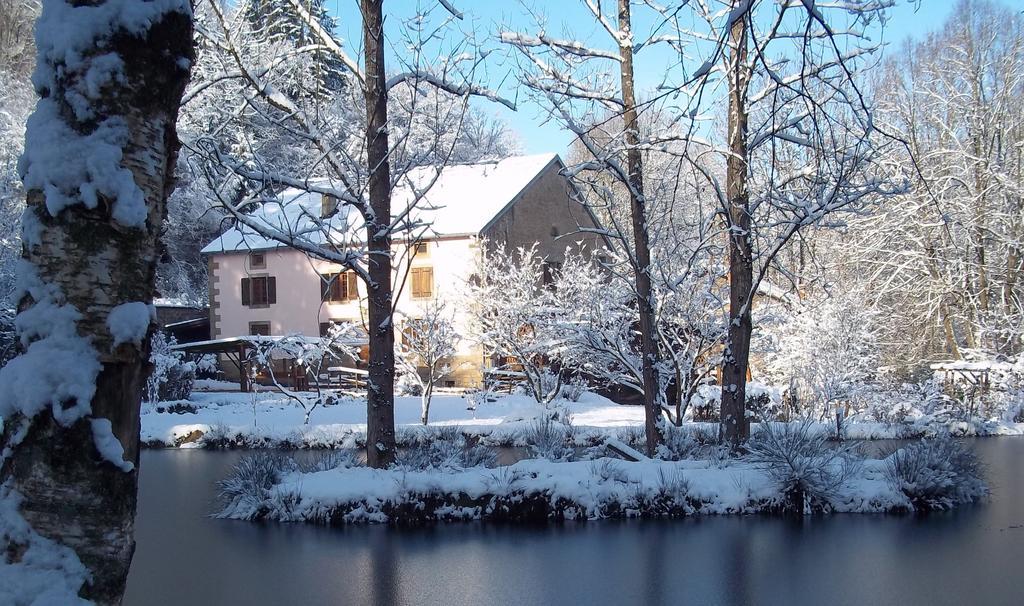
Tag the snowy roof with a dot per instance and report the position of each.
(463, 200)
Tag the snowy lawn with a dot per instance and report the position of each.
(229, 419)
(221, 416)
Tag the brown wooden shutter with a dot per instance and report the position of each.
(245, 292)
(271, 290)
(353, 284)
(325, 287)
(427, 282)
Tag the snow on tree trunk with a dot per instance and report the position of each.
(735, 427)
(380, 400)
(98, 166)
(637, 205)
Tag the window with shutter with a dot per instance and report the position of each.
(259, 291)
(338, 288)
(422, 282)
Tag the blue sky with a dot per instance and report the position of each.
(906, 20)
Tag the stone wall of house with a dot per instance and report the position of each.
(545, 214)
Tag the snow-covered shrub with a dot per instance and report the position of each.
(800, 459)
(549, 439)
(173, 376)
(573, 389)
(633, 436)
(326, 460)
(679, 444)
(447, 448)
(483, 395)
(407, 384)
(250, 481)
(826, 352)
(939, 473)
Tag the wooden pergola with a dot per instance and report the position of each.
(975, 374)
(236, 350)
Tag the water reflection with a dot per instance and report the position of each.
(970, 556)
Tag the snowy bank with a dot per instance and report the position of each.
(538, 490)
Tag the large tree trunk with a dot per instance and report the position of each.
(734, 427)
(641, 244)
(380, 400)
(98, 259)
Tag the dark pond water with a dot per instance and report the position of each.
(971, 556)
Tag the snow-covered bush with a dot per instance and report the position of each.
(408, 384)
(633, 436)
(173, 376)
(827, 352)
(251, 480)
(1014, 411)
(939, 473)
(679, 443)
(548, 439)
(449, 448)
(800, 459)
(574, 388)
(326, 460)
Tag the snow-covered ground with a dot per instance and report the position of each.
(582, 490)
(229, 418)
(276, 419)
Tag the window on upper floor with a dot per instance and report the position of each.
(421, 249)
(259, 291)
(422, 282)
(257, 260)
(339, 288)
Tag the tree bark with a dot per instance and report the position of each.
(734, 427)
(380, 398)
(641, 244)
(71, 493)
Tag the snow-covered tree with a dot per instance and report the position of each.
(826, 351)
(97, 169)
(425, 351)
(516, 320)
(946, 263)
(598, 332)
(17, 57)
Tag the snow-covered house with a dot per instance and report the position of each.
(261, 287)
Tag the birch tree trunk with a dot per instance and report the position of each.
(641, 244)
(380, 399)
(734, 427)
(89, 256)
